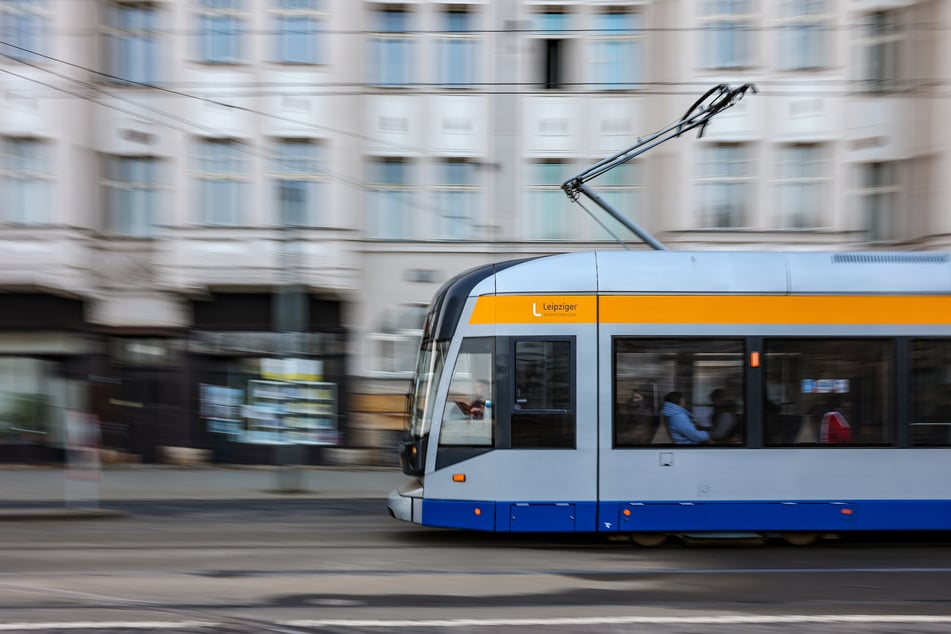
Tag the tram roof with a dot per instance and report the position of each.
(853, 272)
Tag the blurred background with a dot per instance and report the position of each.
(221, 220)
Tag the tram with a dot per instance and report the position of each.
(540, 401)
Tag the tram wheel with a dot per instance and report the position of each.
(648, 540)
(805, 538)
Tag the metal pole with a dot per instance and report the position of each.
(290, 319)
(624, 220)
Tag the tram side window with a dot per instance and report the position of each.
(828, 392)
(543, 413)
(708, 372)
(931, 393)
(469, 416)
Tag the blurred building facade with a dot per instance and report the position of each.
(204, 199)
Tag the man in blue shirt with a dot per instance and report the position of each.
(679, 424)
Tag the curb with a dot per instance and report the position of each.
(32, 515)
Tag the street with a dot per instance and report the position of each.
(342, 565)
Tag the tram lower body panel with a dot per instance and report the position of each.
(673, 516)
(700, 489)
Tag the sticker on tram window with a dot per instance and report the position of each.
(825, 386)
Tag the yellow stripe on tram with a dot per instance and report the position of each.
(714, 309)
(776, 309)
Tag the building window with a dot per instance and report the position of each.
(548, 216)
(131, 42)
(390, 210)
(804, 29)
(391, 49)
(881, 41)
(27, 181)
(397, 339)
(298, 180)
(724, 185)
(131, 195)
(622, 188)
(728, 29)
(828, 392)
(458, 49)
(878, 199)
(616, 50)
(299, 30)
(220, 31)
(24, 28)
(222, 178)
(456, 199)
(803, 179)
(552, 26)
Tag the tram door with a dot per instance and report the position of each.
(535, 462)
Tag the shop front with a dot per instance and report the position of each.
(266, 397)
(44, 358)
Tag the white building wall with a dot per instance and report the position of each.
(502, 125)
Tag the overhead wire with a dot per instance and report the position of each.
(821, 87)
(186, 127)
(217, 102)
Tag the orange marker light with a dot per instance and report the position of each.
(627, 511)
(846, 511)
(458, 477)
(754, 359)
(413, 450)
(478, 511)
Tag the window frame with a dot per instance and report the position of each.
(879, 223)
(467, 40)
(628, 43)
(392, 335)
(238, 180)
(796, 23)
(392, 42)
(284, 168)
(489, 400)
(385, 195)
(909, 383)
(815, 185)
(113, 184)
(25, 25)
(715, 24)
(739, 216)
(742, 391)
(545, 199)
(881, 40)
(124, 42)
(626, 195)
(447, 190)
(897, 373)
(16, 169)
(281, 14)
(210, 36)
(570, 413)
(552, 35)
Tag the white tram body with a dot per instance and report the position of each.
(563, 342)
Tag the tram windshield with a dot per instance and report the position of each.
(432, 358)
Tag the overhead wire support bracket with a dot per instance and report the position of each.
(699, 115)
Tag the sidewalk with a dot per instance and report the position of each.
(33, 492)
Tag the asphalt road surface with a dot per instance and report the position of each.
(345, 566)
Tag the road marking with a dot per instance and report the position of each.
(105, 625)
(628, 620)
